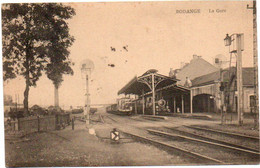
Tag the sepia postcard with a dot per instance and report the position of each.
(158, 83)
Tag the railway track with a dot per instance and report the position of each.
(154, 140)
(200, 149)
(218, 145)
(204, 151)
(199, 158)
(224, 133)
(110, 118)
(191, 134)
(242, 141)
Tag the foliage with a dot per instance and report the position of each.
(16, 113)
(52, 110)
(59, 55)
(56, 70)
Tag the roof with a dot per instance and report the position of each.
(247, 75)
(135, 85)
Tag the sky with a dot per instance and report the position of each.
(154, 37)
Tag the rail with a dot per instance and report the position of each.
(213, 140)
(204, 142)
(222, 132)
(171, 147)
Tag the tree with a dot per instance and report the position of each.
(60, 63)
(29, 34)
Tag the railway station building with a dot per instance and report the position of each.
(206, 92)
(157, 94)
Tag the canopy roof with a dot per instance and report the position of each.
(133, 87)
(141, 83)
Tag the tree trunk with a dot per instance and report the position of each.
(26, 97)
(27, 85)
(56, 96)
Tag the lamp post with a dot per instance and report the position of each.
(86, 67)
(238, 50)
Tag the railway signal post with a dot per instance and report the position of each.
(239, 38)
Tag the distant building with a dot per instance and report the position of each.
(197, 67)
(8, 100)
(10, 104)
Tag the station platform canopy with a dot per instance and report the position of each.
(151, 81)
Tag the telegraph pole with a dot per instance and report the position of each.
(256, 105)
(255, 66)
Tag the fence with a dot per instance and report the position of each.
(62, 120)
(40, 123)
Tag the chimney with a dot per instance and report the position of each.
(195, 56)
(171, 73)
(182, 64)
(188, 82)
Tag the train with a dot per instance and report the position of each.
(128, 106)
(161, 106)
(122, 107)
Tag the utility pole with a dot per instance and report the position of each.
(255, 66)
(256, 105)
(239, 79)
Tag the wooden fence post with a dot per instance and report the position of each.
(18, 123)
(16, 126)
(72, 123)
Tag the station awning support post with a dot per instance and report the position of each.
(135, 105)
(191, 99)
(153, 92)
(174, 104)
(143, 99)
(182, 104)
